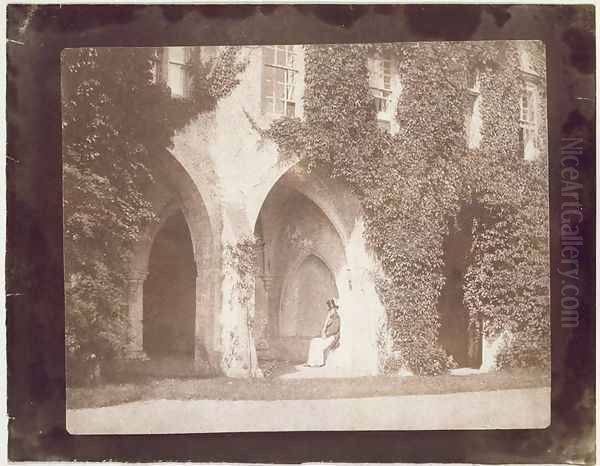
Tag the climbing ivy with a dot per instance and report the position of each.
(116, 119)
(241, 258)
(414, 184)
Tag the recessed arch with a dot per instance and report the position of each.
(304, 317)
(303, 260)
(170, 291)
(316, 186)
(141, 256)
(458, 334)
(171, 191)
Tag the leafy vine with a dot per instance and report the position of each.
(414, 184)
(117, 118)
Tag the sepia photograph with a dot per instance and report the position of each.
(301, 233)
(306, 237)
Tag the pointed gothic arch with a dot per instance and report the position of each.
(173, 191)
(169, 294)
(302, 307)
(304, 236)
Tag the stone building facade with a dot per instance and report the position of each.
(222, 184)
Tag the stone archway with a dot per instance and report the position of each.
(303, 261)
(169, 304)
(174, 194)
(460, 338)
(308, 213)
(308, 285)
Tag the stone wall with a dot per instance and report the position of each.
(231, 184)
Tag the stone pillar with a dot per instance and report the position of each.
(260, 315)
(135, 349)
(272, 287)
(206, 357)
(261, 299)
(236, 316)
(361, 310)
(264, 287)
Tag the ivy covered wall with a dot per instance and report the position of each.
(414, 184)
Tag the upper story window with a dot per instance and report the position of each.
(473, 80)
(529, 111)
(473, 114)
(383, 88)
(156, 64)
(528, 119)
(380, 81)
(528, 106)
(172, 65)
(178, 63)
(279, 80)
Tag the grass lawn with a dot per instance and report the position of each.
(222, 388)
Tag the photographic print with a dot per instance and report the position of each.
(306, 237)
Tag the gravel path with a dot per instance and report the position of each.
(505, 409)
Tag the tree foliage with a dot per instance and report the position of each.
(414, 183)
(117, 119)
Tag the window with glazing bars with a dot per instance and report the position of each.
(177, 72)
(473, 80)
(527, 118)
(381, 84)
(156, 58)
(279, 80)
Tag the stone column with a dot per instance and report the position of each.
(272, 327)
(262, 314)
(205, 345)
(135, 348)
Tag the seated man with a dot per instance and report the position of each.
(329, 339)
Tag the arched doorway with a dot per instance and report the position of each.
(170, 292)
(305, 297)
(459, 337)
(301, 262)
(178, 199)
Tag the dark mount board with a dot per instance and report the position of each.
(35, 315)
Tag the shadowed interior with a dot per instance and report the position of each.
(169, 292)
(461, 340)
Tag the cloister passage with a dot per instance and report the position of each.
(174, 279)
(170, 292)
(299, 267)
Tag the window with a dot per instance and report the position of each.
(279, 80)
(473, 80)
(527, 119)
(473, 114)
(528, 106)
(155, 66)
(177, 72)
(380, 77)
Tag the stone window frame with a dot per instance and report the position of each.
(279, 80)
(473, 88)
(182, 64)
(380, 83)
(156, 65)
(528, 110)
(473, 80)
